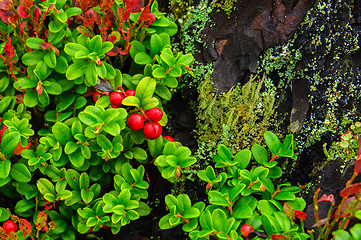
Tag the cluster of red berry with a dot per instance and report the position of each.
(151, 128)
(116, 98)
(136, 122)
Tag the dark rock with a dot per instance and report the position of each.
(235, 42)
(331, 178)
(300, 104)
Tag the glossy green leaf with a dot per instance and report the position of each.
(20, 173)
(9, 142)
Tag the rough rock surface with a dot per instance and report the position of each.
(235, 42)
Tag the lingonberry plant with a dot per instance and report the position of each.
(242, 201)
(79, 80)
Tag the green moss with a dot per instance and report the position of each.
(237, 118)
(226, 5)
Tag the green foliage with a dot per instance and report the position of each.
(239, 194)
(65, 151)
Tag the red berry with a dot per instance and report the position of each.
(116, 98)
(95, 96)
(10, 226)
(246, 229)
(130, 92)
(152, 131)
(136, 122)
(169, 138)
(113, 106)
(154, 114)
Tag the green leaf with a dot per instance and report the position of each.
(148, 103)
(70, 147)
(170, 81)
(131, 101)
(61, 65)
(73, 11)
(32, 58)
(136, 47)
(95, 43)
(9, 142)
(31, 98)
(54, 88)
(20, 173)
(243, 157)
(45, 186)
(217, 198)
(34, 43)
(50, 59)
(72, 48)
(140, 154)
(156, 44)
(62, 133)
(106, 47)
(91, 74)
(145, 88)
(169, 59)
(101, 70)
(272, 141)
(72, 178)
(75, 71)
(185, 59)
(242, 211)
(4, 171)
(142, 58)
(24, 205)
(163, 92)
(260, 154)
(87, 196)
(104, 142)
(159, 73)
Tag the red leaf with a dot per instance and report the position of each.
(2, 130)
(300, 215)
(352, 189)
(23, 12)
(87, 4)
(147, 17)
(134, 6)
(85, 31)
(278, 237)
(3, 233)
(5, 4)
(45, 45)
(25, 227)
(108, 19)
(41, 220)
(289, 211)
(112, 38)
(105, 5)
(51, 6)
(28, 3)
(6, 15)
(36, 14)
(9, 50)
(91, 17)
(22, 28)
(329, 198)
